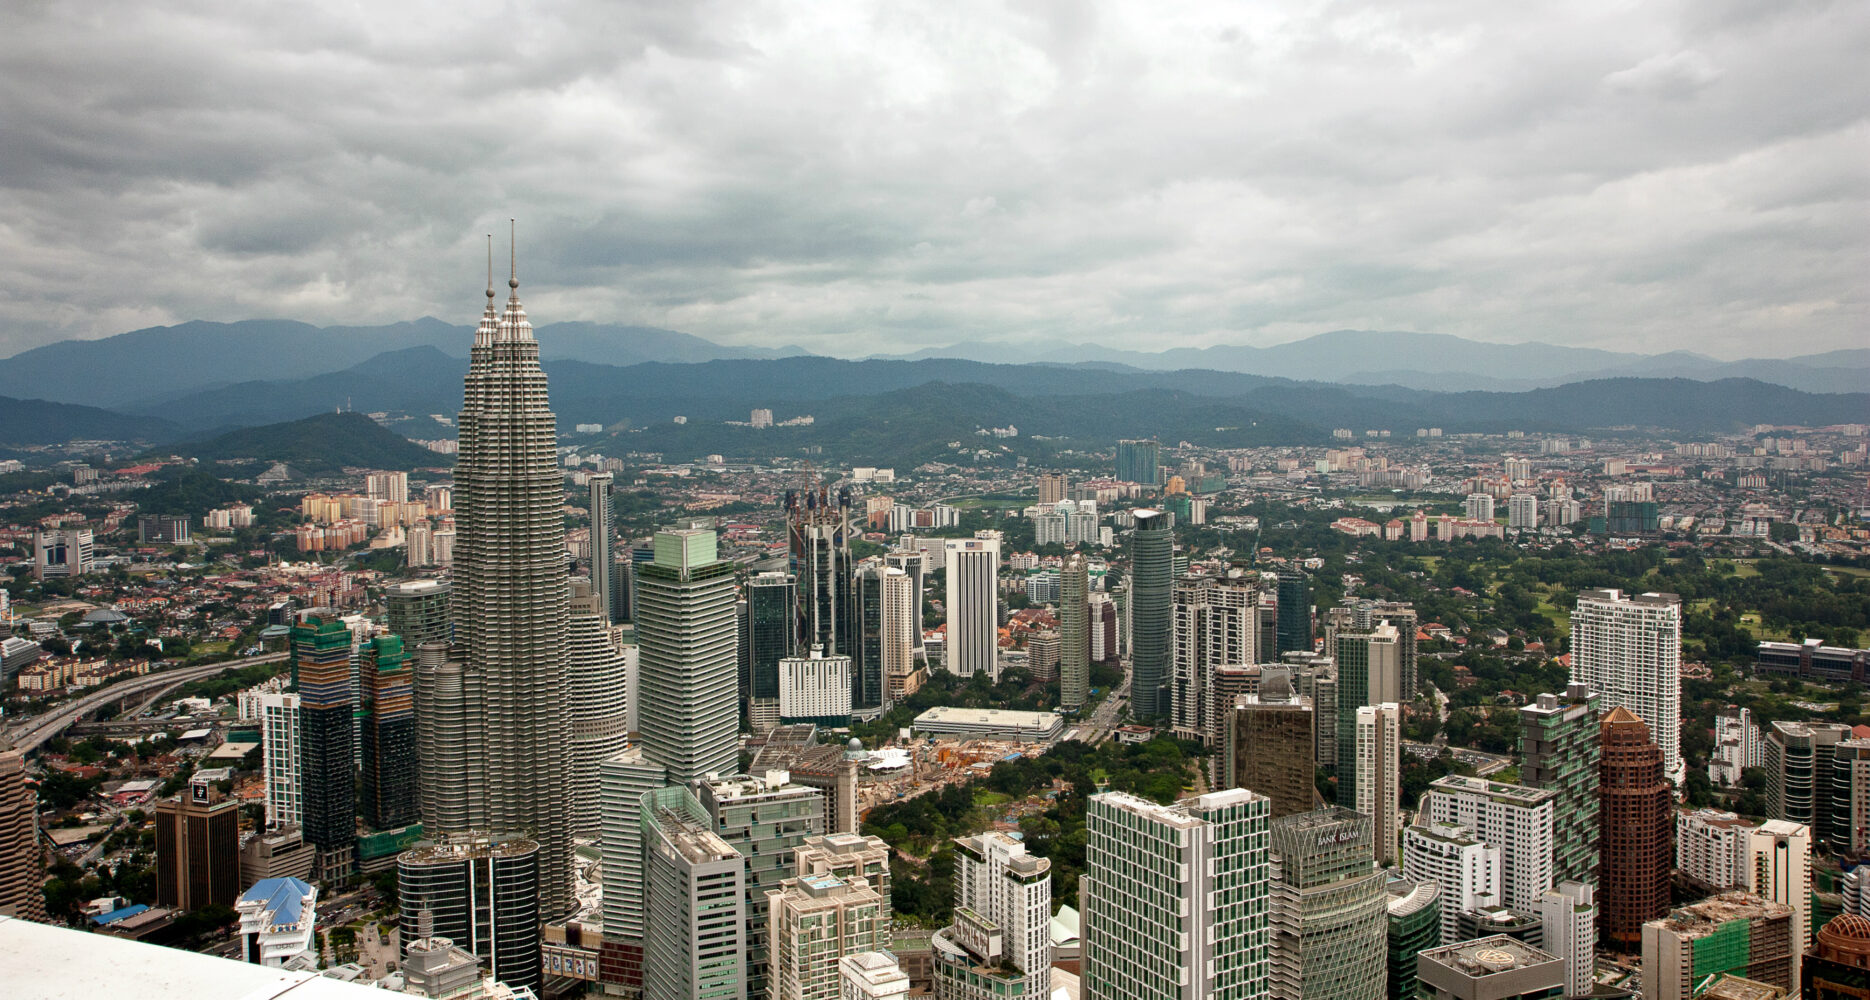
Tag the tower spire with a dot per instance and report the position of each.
(513, 282)
(490, 266)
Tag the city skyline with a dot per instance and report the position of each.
(1676, 178)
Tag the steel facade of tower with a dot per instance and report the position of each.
(603, 530)
(510, 588)
(1074, 632)
(416, 611)
(865, 648)
(1152, 579)
(772, 635)
(390, 793)
(1295, 611)
(321, 668)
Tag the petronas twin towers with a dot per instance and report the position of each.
(510, 588)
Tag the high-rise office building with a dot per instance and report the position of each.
(685, 630)
(1174, 898)
(1636, 834)
(972, 603)
(599, 702)
(1736, 933)
(197, 848)
(915, 562)
(321, 671)
(1568, 917)
(1215, 624)
(1271, 747)
(451, 739)
(509, 587)
(1379, 775)
(766, 818)
(868, 691)
(771, 635)
(603, 543)
(483, 894)
(63, 552)
(1139, 462)
(280, 758)
(813, 921)
(1628, 648)
(1369, 673)
(695, 883)
(391, 789)
(1361, 616)
(1295, 612)
(1849, 827)
(1779, 863)
(1074, 632)
(1414, 911)
(1514, 818)
(902, 631)
(623, 781)
(1152, 582)
(818, 533)
(1800, 763)
(1000, 944)
(1558, 750)
(22, 860)
(416, 611)
(1330, 910)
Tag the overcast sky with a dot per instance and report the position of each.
(881, 177)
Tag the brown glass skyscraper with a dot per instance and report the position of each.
(1637, 841)
(511, 591)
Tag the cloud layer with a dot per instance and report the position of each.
(861, 178)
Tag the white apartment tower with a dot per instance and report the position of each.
(1569, 916)
(1514, 818)
(1000, 944)
(279, 753)
(973, 570)
(1379, 774)
(1522, 511)
(1628, 648)
(1175, 898)
(1215, 624)
(1467, 869)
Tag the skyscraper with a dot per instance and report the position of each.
(390, 791)
(280, 758)
(686, 633)
(696, 947)
(1379, 774)
(818, 533)
(510, 593)
(416, 611)
(914, 562)
(772, 635)
(1175, 898)
(1140, 462)
(1295, 611)
(1074, 632)
(451, 739)
(599, 713)
(603, 537)
(22, 860)
(814, 921)
(1215, 626)
(1801, 771)
(321, 670)
(902, 631)
(1568, 915)
(1628, 648)
(1637, 835)
(1558, 750)
(623, 781)
(1467, 869)
(868, 691)
(1360, 616)
(1369, 673)
(1514, 818)
(1270, 746)
(1152, 581)
(766, 819)
(1330, 910)
(999, 944)
(973, 601)
(482, 894)
(1414, 927)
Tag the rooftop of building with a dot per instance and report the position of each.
(1520, 795)
(1729, 987)
(1407, 896)
(1180, 815)
(1488, 956)
(464, 848)
(949, 715)
(48, 961)
(1704, 918)
(1717, 818)
(696, 843)
(281, 899)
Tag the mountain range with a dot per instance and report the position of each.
(145, 367)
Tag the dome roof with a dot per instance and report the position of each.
(1848, 925)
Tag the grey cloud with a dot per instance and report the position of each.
(830, 174)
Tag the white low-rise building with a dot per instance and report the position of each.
(990, 723)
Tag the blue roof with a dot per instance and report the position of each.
(118, 914)
(281, 896)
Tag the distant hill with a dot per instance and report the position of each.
(318, 445)
(36, 421)
(191, 491)
(145, 367)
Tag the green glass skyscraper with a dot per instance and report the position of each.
(1559, 750)
(1140, 462)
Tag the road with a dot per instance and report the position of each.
(37, 731)
(1104, 718)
